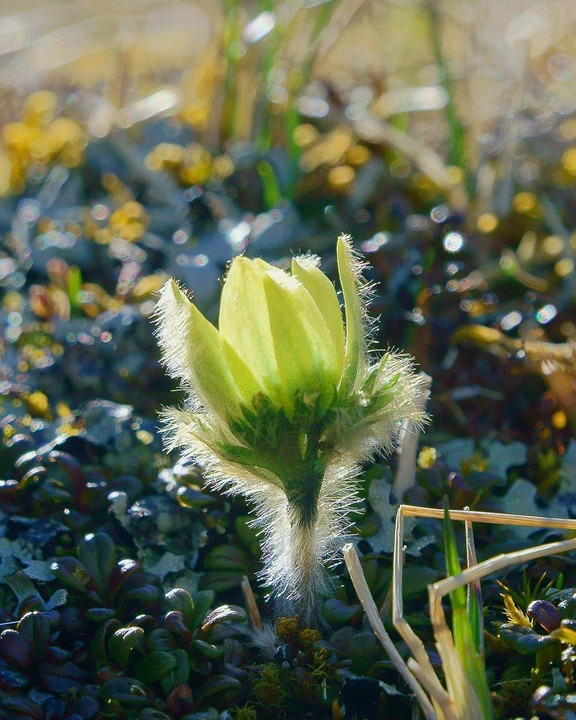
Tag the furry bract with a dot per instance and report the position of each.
(285, 400)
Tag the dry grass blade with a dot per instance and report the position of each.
(491, 518)
(424, 158)
(421, 665)
(367, 601)
(464, 702)
(339, 20)
(251, 605)
(495, 564)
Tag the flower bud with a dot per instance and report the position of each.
(285, 402)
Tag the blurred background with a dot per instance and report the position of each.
(503, 59)
(146, 139)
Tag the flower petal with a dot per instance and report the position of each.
(306, 270)
(355, 350)
(243, 320)
(275, 325)
(195, 352)
(306, 355)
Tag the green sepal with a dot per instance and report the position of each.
(355, 346)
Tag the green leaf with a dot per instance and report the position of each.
(181, 672)
(338, 612)
(100, 641)
(228, 557)
(224, 613)
(181, 600)
(524, 640)
(153, 714)
(545, 656)
(208, 650)
(208, 714)
(203, 599)
(154, 666)
(190, 498)
(217, 684)
(161, 639)
(179, 675)
(270, 186)
(100, 614)
(146, 594)
(247, 534)
(73, 574)
(222, 580)
(417, 578)
(98, 554)
(174, 622)
(35, 628)
(474, 610)
(125, 692)
(122, 643)
(16, 650)
(462, 628)
(452, 559)
(73, 288)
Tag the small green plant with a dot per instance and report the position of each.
(284, 403)
(111, 643)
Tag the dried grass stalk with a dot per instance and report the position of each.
(458, 701)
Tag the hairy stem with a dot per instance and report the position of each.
(305, 560)
(304, 549)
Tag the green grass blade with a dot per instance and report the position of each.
(462, 626)
(474, 594)
(270, 186)
(457, 147)
(73, 289)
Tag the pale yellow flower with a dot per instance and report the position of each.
(285, 400)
